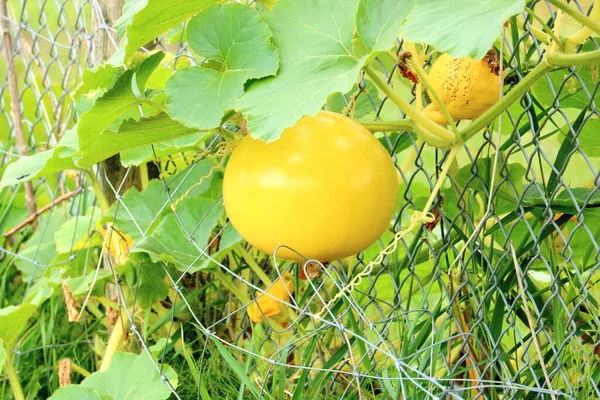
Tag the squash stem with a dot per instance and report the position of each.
(115, 340)
(539, 34)
(546, 28)
(388, 126)
(423, 78)
(226, 282)
(585, 32)
(144, 178)
(253, 265)
(559, 59)
(410, 158)
(511, 97)
(441, 178)
(13, 379)
(416, 115)
(101, 198)
(583, 19)
(80, 370)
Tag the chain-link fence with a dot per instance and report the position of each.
(496, 298)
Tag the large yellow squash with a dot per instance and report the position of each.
(327, 188)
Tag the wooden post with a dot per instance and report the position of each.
(105, 42)
(15, 104)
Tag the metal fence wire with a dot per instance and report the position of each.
(450, 311)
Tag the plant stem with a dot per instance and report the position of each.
(144, 175)
(225, 134)
(416, 115)
(81, 371)
(253, 265)
(410, 158)
(115, 340)
(224, 280)
(388, 126)
(585, 20)
(559, 59)
(153, 104)
(545, 27)
(13, 379)
(581, 35)
(423, 79)
(102, 201)
(511, 97)
(441, 178)
(540, 35)
(95, 311)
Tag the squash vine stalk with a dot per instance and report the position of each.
(583, 19)
(546, 28)
(13, 379)
(425, 82)
(253, 265)
(430, 130)
(387, 126)
(116, 338)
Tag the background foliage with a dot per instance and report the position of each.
(147, 296)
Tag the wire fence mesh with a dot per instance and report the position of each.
(491, 299)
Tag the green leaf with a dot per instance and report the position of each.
(169, 242)
(589, 138)
(459, 27)
(43, 163)
(507, 184)
(151, 284)
(142, 210)
(146, 208)
(157, 17)
(159, 78)
(143, 154)
(2, 355)
(396, 142)
(314, 40)
(131, 135)
(132, 377)
(130, 8)
(574, 89)
(534, 197)
(378, 23)
(99, 79)
(366, 101)
(78, 392)
(146, 69)
(229, 238)
(39, 251)
(82, 284)
(13, 320)
(236, 367)
(74, 234)
(268, 4)
(112, 107)
(237, 40)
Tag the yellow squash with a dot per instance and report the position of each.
(326, 188)
(467, 87)
(271, 304)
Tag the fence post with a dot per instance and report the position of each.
(15, 100)
(104, 43)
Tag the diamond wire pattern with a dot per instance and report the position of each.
(53, 45)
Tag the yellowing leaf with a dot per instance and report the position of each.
(118, 244)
